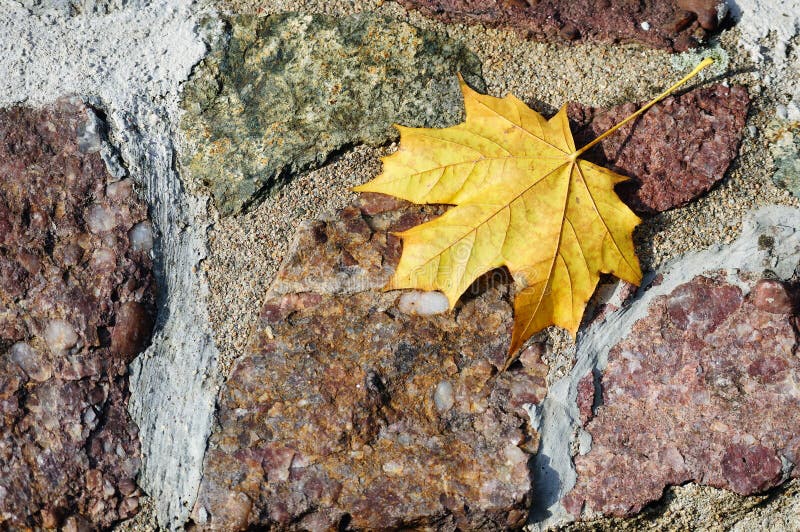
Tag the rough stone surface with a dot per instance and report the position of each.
(756, 19)
(767, 251)
(348, 412)
(76, 305)
(695, 507)
(704, 388)
(285, 91)
(674, 152)
(785, 153)
(660, 23)
(133, 62)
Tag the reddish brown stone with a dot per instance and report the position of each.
(672, 25)
(69, 453)
(346, 412)
(371, 203)
(705, 10)
(773, 296)
(674, 152)
(586, 395)
(131, 333)
(702, 389)
(750, 468)
(700, 307)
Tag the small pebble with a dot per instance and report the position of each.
(141, 237)
(60, 335)
(443, 397)
(30, 362)
(103, 259)
(202, 515)
(119, 190)
(392, 468)
(100, 219)
(423, 303)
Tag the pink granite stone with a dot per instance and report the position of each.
(704, 389)
(586, 396)
(774, 296)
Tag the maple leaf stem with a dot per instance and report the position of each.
(703, 64)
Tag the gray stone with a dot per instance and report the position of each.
(174, 383)
(786, 156)
(284, 92)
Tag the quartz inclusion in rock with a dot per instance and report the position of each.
(347, 412)
(283, 92)
(76, 305)
(703, 388)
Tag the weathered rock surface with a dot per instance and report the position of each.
(692, 380)
(674, 152)
(76, 304)
(285, 91)
(703, 388)
(785, 153)
(673, 25)
(350, 412)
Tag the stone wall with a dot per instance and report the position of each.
(186, 340)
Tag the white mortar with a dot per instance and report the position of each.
(755, 19)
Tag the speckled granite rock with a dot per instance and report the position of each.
(674, 25)
(785, 153)
(674, 152)
(703, 388)
(349, 412)
(76, 304)
(285, 91)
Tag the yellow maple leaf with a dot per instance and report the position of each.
(523, 199)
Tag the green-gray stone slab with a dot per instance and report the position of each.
(281, 93)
